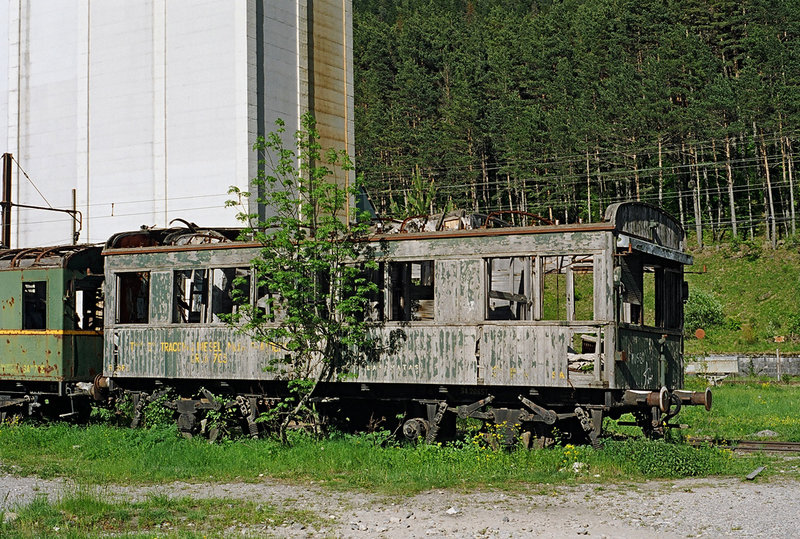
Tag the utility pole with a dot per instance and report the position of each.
(6, 243)
(77, 218)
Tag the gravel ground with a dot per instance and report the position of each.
(683, 508)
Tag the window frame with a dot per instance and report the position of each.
(39, 298)
(147, 278)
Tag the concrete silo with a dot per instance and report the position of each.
(149, 109)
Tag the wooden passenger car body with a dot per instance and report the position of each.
(564, 313)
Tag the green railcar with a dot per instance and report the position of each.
(51, 321)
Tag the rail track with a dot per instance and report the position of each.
(752, 446)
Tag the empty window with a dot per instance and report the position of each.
(230, 287)
(509, 283)
(632, 290)
(34, 305)
(650, 294)
(267, 304)
(567, 287)
(411, 290)
(190, 296)
(133, 297)
(366, 277)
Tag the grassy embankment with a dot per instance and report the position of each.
(759, 292)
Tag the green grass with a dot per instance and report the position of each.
(760, 298)
(88, 514)
(741, 410)
(98, 455)
(101, 454)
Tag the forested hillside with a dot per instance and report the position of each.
(562, 107)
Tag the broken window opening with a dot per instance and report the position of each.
(585, 351)
(632, 290)
(668, 298)
(509, 295)
(411, 292)
(133, 297)
(34, 305)
(230, 289)
(89, 303)
(190, 296)
(373, 309)
(650, 294)
(567, 284)
(267, 305)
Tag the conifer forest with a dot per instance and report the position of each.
(561, 107)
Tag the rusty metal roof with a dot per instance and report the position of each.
(175, 236)
(39, 257)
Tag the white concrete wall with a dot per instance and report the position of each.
(46, 135)
(4, 72)
(148, 109)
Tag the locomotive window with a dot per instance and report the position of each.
(34, 305)
(509, 282)
(190, 296)
(133, 297)
(411, 291)
(567, 287)
(89, 303)
(230, 288)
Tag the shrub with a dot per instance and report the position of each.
(703, 310)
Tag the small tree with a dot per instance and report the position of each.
(313, 265)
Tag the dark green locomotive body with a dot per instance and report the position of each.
(51, 317)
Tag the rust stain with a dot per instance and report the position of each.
(46, 369)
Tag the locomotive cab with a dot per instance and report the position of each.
(51, 319)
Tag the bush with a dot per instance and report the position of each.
(703, 310)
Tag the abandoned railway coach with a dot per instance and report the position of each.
(51, 320)
(520, 326)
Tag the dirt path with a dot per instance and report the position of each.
(684, 508)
